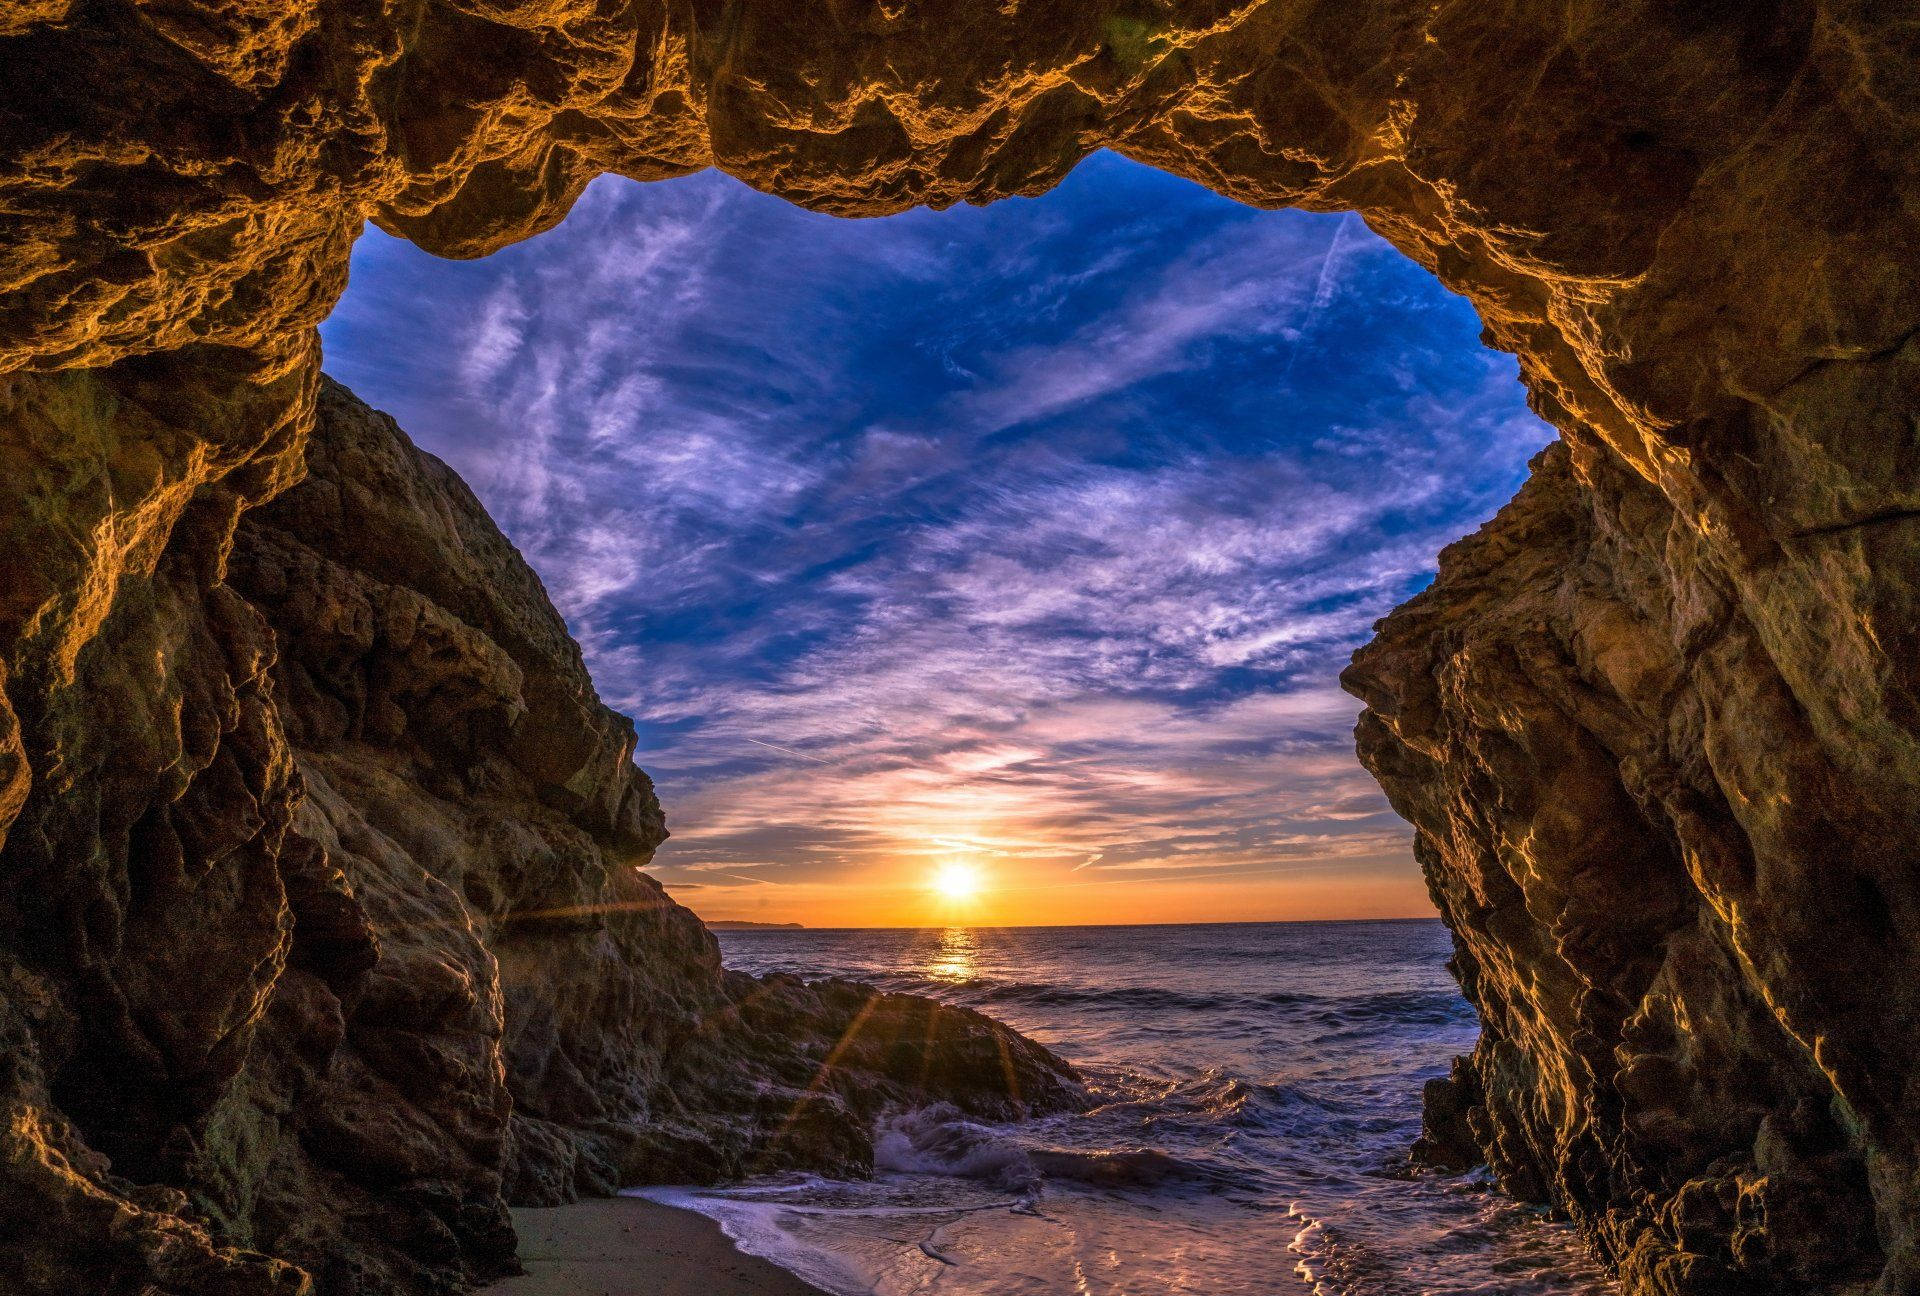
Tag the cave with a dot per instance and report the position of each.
(1650, 723)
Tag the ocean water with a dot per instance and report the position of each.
(1258, 1088)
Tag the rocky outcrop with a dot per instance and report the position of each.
(359, 950)
(1688, 935)
(1656, 726)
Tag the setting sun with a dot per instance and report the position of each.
(957, 882)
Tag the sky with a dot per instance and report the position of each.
(1027, 540)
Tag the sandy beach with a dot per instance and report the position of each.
(624, 1246)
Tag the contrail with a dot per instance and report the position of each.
(1322, 292)
(788, 750)
(1323, 289)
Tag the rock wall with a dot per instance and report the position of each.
(1685, 929)
(1656, 727)
(358, 950)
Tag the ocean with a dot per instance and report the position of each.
(1258, 1085)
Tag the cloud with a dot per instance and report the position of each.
(1038, 532)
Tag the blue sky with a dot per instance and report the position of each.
(1033, 535)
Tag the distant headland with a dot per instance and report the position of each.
(737, 924)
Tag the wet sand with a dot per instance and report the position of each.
(628, 1247)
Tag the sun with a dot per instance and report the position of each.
(957, 882)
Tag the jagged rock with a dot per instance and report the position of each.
(1652, 879)
(1656, 726)
(1447, 1139)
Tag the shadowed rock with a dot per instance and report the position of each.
(447, 985)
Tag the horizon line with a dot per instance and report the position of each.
(777, 925)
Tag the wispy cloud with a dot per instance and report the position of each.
(1038, 532)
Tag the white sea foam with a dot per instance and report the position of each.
(938, 1140)
(756, 1224)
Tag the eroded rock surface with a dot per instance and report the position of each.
(1656, 726)
(1687, 929)
(362, 951)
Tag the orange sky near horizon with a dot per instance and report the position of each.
(1115, 838)
(1123, 835)
(904, 896)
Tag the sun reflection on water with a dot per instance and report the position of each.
(954, 958)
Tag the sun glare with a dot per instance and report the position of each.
(956, 882)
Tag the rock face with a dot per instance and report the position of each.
(363, 952)
(1687, 929)
(1655, 726)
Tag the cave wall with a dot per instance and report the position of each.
(1681, 922)
(1654, 726)
(325, 936)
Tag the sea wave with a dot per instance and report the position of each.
(938, 1140)
(1412, 1007)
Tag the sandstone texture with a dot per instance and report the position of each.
(1655, 726)
(1684, 923)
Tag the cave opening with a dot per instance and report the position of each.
(318, 917)
(1026, 540)
(973, 575)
